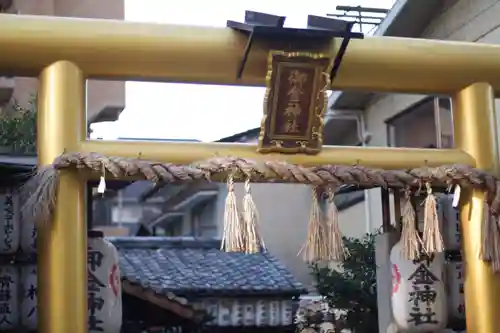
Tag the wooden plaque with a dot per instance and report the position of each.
(295, 103)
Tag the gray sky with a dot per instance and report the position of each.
(159, 110)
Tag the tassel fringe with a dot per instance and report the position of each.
(432, 238)
(410, 239)
(495, 243)
(336, 249)
(253, 240)
(233, 234)
(315, 248)
(490, 250)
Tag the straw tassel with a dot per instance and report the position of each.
(491, 241)
(495, 243)
(410, 238)
(315, 247)
(233, 234)
(336, 249)
(486, 250)
(487, 239)
(432, 238)
(253, 240)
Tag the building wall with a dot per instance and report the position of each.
(101, 94)
(466, 20)
(284, 216)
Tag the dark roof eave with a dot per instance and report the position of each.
(236, 137)
(197, 293)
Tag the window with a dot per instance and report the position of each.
(173, 229)
(425, 124)
(203, 219)
(102, 211)
(344, 128)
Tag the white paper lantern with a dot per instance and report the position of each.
(286, 312)
(224, 313)
(274, 313)
(261, 313)
(418, 295)
(454, 271)
(9, 297)
(29, 297)
(104, 285)
(249, 313)
(9, 221)
(455, 282)
(237, 313)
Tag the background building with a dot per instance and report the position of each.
(362, 117)
(197, 210)
(404, 120)
(106, 99)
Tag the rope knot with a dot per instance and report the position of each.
(247, 186)
(428, 188)
(230, 183)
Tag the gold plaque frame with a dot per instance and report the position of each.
(308, 136)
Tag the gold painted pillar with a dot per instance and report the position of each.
(62, 244)
(475, 133)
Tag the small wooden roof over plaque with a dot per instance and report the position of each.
(295, 102)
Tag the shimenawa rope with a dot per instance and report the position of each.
(41, 189)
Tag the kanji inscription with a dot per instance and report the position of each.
(295, 103)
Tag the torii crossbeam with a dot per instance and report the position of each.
(64, 52)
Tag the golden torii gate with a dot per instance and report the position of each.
(64, 52)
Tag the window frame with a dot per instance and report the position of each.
(438, 103)
(355, 116)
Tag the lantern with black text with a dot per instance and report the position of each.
(104, 285)
(28, 299)
(9, 297)
(28, 235)
(450, 217)
(418, 293)
(9, 221)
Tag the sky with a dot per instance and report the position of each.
(158, 110)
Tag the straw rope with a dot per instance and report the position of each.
(217, 169)
(40, 192)
(41, 187)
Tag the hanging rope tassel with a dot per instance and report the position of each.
(486, 252)
(336, 249)
(490, 250)
(253, 240)
(495, 244)
(233, 234)
(410, 239)
(432, 238)
(315, 247)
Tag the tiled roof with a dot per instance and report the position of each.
(187, 266)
